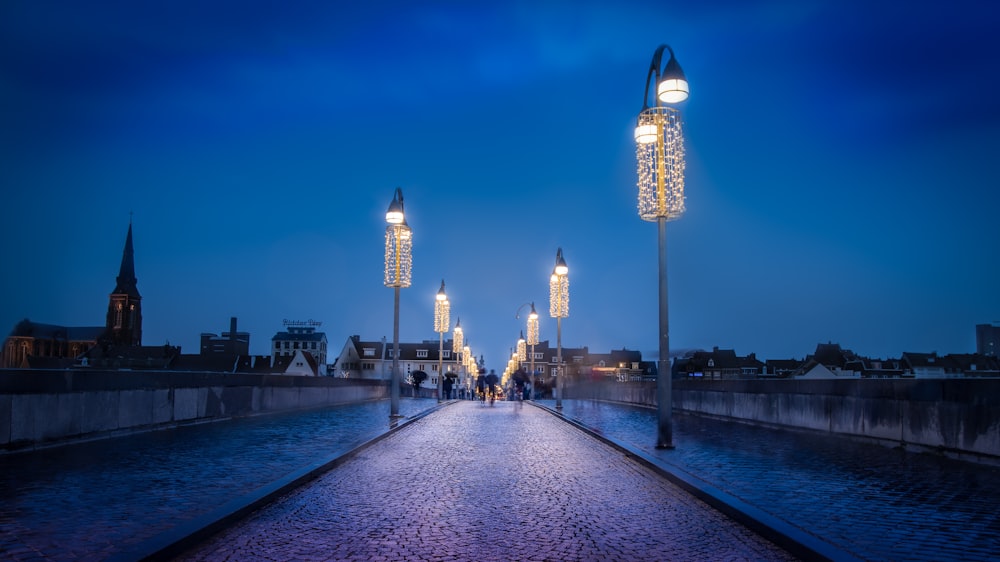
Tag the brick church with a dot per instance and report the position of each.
(36, 345)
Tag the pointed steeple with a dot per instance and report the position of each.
(127, 284)
(124, 322)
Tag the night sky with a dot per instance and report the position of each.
(842, 179)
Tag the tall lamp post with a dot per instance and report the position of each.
(398, 272)
(442, 322)
(660, 156)
(533, 341)
(559, 309)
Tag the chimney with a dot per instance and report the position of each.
(232, 328)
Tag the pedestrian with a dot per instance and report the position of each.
(446, 385)
(491, 381)
(481, 387)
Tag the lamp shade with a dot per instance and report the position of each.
(673, 86)
(395, 215)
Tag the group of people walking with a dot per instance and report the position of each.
(486, 389)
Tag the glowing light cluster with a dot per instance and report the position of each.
(457, 338)
(660, 156)
(533, 326)
(522, 350)
(398, 255)
(442, 316)
(442, 312)
(559, 288)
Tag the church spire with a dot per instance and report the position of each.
(127, 284)
(124, 321)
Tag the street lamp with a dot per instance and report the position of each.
(533, 341)
(660, 156)
(442, 322)
(398, 271)
(559, 309)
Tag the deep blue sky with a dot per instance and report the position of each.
(842, 181)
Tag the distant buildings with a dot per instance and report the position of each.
(372, 359)
(118, 344)
(830, 361)
(302, 350)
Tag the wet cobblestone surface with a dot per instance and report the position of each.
(90, 500)
(466, 483)
(868, 500)
(93, 500)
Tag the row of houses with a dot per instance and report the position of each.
(373, 359)
(830, 361)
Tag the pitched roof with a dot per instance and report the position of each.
(299, 336)
(28, 329)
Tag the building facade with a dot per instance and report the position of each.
(300, 336)
(228, 343)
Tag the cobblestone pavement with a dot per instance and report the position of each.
(92, 500)
(467, 483)
(868, 500)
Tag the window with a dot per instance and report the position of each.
(447, 354)
(421, 353)
(369, 352)
(277, 345)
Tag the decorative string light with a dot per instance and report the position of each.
(659, 152)
(442, 311)
(533, 326)
(398, 255)
(559, 288)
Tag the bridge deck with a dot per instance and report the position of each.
(509, 482)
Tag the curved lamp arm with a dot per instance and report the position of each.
(672, 72)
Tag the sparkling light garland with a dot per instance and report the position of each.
(559, 296)
(659, 153)
(533, 326)
(398, 255)
(442, 312)
(456, 339)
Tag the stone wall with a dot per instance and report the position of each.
(40, 408)
(957, 416)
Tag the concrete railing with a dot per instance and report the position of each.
(40, 408)
(957, 416)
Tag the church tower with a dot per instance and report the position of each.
(124, 324)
